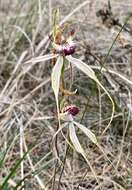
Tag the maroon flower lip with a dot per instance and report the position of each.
(69, 50)
(73, 110)
(65, 49)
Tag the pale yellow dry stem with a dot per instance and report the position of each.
(32, 167)
(21, 147)
(121, 76)
(124, 132)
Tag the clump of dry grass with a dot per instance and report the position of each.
(26, 97)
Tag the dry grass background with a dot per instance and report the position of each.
(26, 96)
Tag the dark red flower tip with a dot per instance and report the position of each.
(73, 110)
(72, 32)
(69, 50)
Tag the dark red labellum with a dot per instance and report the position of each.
(69, 50)
(73, 110)
(72, 32)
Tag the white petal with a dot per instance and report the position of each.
(55, 79)
(87, 132)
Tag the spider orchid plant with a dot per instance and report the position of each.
(63, 49)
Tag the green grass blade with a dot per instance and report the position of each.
(2, 157)
(114, 41)
(13, 171)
